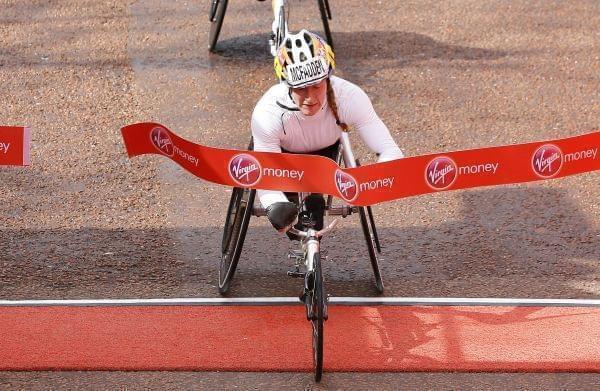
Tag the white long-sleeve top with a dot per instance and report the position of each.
(277, 123)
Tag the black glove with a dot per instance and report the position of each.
(282, 214)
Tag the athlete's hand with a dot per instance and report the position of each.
(282, 215)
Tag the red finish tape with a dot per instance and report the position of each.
(374, 183)
(14, 146)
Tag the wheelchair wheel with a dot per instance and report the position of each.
(215, 16)
(234, 233)
(317, 313)
(325, 17)
(280, 33)
(371, 248)
(373, 229)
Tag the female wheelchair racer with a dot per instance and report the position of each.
(306, 113)
(309, 112)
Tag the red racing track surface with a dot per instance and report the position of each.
(277, 338)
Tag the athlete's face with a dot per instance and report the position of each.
(311, 98)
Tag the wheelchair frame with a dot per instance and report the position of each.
(217, 10)
(241, 208)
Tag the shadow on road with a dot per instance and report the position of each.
(515, 242)
(404, 48)
(396, 48)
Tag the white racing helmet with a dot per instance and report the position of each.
(303, 59)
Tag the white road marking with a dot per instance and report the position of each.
(268, 301)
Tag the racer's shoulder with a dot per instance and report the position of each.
(345, 89)
(266, 115)
(276, 93)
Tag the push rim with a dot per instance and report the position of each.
(372, 255)
(235, 242)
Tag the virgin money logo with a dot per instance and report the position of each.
(346, 185)
(547, 161)
(162, 141)
(441, 173)
(244, 169)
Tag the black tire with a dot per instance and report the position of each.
(280, 34)
(374, 229)
(234, 201)
(234, 233)
(325, 16)
(216, 16)
(372, 255)
(317, 303)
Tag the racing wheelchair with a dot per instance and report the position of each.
(308, 257)
(242, 207)
(217, 10)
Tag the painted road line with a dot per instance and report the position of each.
(463, 301)
(274, 301)
(202, 301)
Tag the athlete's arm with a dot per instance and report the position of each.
(357, 110)
(265, 134)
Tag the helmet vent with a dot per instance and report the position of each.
(298, 43)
